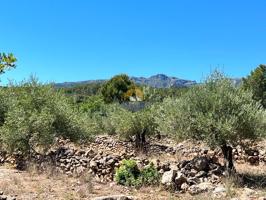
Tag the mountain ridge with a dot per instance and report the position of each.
(157, 81)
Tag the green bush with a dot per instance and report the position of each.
(150, 175)
(36, 114)
(130, 175)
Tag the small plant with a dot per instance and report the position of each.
(150, 175)
(130, 175)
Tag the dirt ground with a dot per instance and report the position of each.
(30, 185)
(49, 185)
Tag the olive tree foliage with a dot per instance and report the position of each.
(216, 112)
(36, 114)
(256, 82)
(132, 125)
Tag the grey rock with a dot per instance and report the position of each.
(201, 174)
(168, 177)
(200, 188)
(115, 197)
(219, 189)
(93, 164)
(184, 187)
(200, 163)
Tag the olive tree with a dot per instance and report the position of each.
(134, 125)
(216, 112)
(37, 114)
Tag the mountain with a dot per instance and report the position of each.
(163, 81)
(78, 83)
(157, 81)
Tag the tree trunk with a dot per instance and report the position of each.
(137, 141)
(140, 140)
(228, 159)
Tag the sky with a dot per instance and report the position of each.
(75, 40)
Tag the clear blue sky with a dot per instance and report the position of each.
(71, 40)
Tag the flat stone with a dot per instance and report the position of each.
(115, 197)
(200, 188)
(219, 189)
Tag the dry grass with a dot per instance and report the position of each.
(32, 184)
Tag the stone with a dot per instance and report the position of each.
(184, 187)
(3, 197)
(201, 174)
(168, 177)
(182, 164)
(180, 179)
(80, 170)
(115, 197)
(200, 188)
(253, 160)
(200, 163)
(93, 164)
(69, 152)
(192, 172)
(219, 189)
(90, 153)
(248, 192)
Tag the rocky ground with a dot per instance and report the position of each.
(189, 171)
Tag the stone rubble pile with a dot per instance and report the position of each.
(101, 157)
(252, 153)
(76, 162)
(188, 175)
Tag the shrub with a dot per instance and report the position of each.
(130, 175)
(150, 175)
(36, 114)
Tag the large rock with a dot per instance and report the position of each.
(201, 163)
(168, 178)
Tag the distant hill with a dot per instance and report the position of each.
(157, 81)
(163, 81)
